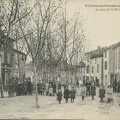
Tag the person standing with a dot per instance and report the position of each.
(114, 86)
(77, 83)
(93, 90)
(66, 94)
(83, 91)
(59, 85)
(29, 87)
(109, 94)
(118, 92)
(19, 88)
(72, 94)
(101, 93)
(24, 87)
(50, 91)
(47, 88)
(88, 88)
(42, 88)
(54, 88)
(59, 96)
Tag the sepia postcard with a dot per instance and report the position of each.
(60, 59)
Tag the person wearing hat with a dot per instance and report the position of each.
(59, 96)
(93, 90)
(66, 94)
(72, 94)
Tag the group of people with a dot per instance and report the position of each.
(19, 87)
(108, 93)
(67, 94)
(24, 88)
(48, 88)
(54, 88)
(89, 89)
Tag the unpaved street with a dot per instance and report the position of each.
(23, 107)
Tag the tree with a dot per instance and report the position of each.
(36, 42)
(9, 11)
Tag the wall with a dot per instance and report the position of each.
(117, 63)
(97, 72)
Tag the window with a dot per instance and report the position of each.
(105, 65)
(88, 69)
(119, 58)
(92, 69)
(105, 80)
(105, 54)
(116, 58)
(95, 61)
(97, 68)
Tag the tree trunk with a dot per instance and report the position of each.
(36, 91)
(1, 82)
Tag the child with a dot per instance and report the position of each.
(59, 96)
(50, 91)
(83, 91)
(109, 94)
(101, 93)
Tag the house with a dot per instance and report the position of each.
(94, 65)
(108, 65)
(117, 61)
(82, 72)
(103, 64)
(12, 60)
(88, 64)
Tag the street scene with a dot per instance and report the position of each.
(22, 107)
(59, 59)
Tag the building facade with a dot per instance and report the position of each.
(117, 61)
(103, 64)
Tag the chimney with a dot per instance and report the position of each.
(98, 47)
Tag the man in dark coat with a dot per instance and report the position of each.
(93, 90)
(72, 94)
(54, 88)
(19, 88)
(59, 96)
(66, 94)
(114, 86)
(43, 88)
(39, 88)
(24, 88)
(29, 87)
(88, 85)
(101, 93)
(118, 92)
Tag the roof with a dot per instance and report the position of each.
(82, 64)
(97, 53)
(113, 46)
(19, 52)
(9, 40)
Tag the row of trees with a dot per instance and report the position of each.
(45, 31)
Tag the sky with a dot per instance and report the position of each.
(103, 23)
